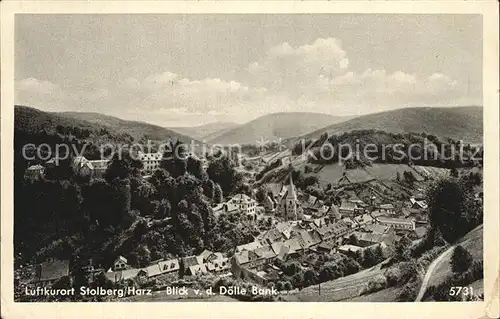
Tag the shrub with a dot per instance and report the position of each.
(410, 290)
(461, 260)
(379, 282)
(393, 275)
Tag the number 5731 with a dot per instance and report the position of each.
(455, 291)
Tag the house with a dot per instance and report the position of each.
(250, 246)
(248, 259)
(187, 262)
(418, 204)
(364, 219)
(265, 252)
(243, 203)
(333, 232)
(52, 270)
(169, 266)
(116, 276)
(160, 268)
(370, 239)
(197, 270)
(120, 263)
(418, 233)
(150, 161)
(272, 235)
(207, 256)
(350, 209)
(82, 166)
(377, 228)
(349, 250)
(34, 172)
(387, 208)
(397, 223)
(324, 247)
(219, 265)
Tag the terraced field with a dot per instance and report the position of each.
(337, 290)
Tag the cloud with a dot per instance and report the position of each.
(320, 75)
(316, 77)
(32, 85)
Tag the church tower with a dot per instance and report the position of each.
(290, 200)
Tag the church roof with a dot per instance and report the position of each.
(290, 193)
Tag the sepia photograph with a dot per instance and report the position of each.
(264, 157)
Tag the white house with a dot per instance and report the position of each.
(150, 161)
(397, 223)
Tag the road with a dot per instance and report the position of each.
(428, 274)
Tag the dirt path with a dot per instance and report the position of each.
(428, 274)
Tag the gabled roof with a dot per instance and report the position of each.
(265, 252)
(384, 219)
(169, 265)
(346, 248)
(153, 270)
(190, 261)
(376, 228)
(347, 205)
(245, 256)
(241, 199)
(122, 274)
(121, 258)
(198, 269)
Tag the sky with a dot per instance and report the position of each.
(188, 70)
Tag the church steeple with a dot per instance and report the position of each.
(291, 189)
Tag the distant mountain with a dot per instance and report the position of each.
(272, 127)
(206, 131)
(465, 123)
(136, 129)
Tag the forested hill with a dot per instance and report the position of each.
(137, 130)
(458, 123)
(86, 132)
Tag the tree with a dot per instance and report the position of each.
(452, 208)
(195, 167)
(454, 172)
(402, 251)
(461, 260)
(261, 193)
(310, 277)
(217, 194)
(287, 286)
(353, 240)
(122, 166)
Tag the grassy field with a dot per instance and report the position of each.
(340, 289)
(473, 242)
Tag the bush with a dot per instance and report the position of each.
(410, 290)
(393, 275)
(379, 282)
(461, 260)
